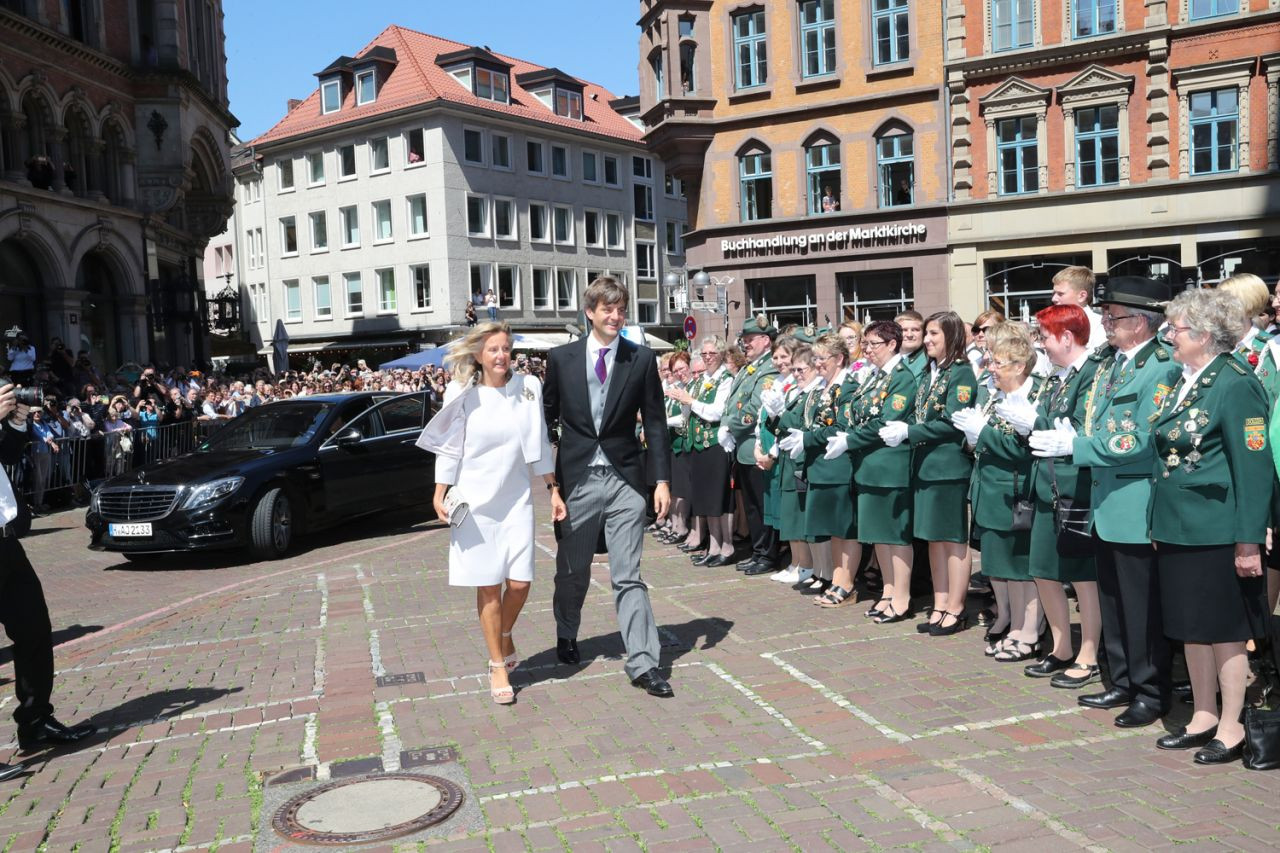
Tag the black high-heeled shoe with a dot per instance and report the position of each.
(927, 626)
(939, 630)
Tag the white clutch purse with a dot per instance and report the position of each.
(456, 506)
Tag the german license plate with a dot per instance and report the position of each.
(123, 530)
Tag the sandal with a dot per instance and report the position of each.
(500, 695)
(837, 596)
(1015, 651)
(875, 608)
(995, 646)
(889, 615)
(510, 661)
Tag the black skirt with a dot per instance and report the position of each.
(709, 492)
(1204, 600)
(681, 482)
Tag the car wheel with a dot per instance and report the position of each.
(271, 527)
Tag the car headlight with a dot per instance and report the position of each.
(208, 493)
(95, 505)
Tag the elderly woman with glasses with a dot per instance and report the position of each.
(1208, 517)
(979, 353)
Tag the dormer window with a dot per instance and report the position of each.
(366, 87)
(365, 75)
(492, 85)
(569, 104)
(330, 96)
(482, 73)
(557, 91)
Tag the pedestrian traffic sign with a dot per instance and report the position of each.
(690, 328)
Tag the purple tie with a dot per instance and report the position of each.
(601, 371)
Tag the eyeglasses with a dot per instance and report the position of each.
(1172, 330)
(872, 343)
(1001, 365)
(1115, 318)
(981, 330)
(710, 354)
(821, 359)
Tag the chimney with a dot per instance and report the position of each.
(292, 102)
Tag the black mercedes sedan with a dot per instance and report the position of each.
(269, 475)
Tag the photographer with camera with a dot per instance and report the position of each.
(22, 356)
(23, 611)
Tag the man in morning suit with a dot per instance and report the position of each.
(594, 388)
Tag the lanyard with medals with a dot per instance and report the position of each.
(930, 397)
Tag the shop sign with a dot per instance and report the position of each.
(857, 237)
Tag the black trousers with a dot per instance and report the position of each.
(1138, 655)
(764, 539)
(25, 617)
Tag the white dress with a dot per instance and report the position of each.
(495, 542)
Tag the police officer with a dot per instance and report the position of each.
(738, 435)
(22, 608)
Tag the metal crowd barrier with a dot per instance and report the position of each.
(65, 475)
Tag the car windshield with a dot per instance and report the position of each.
(272, 427)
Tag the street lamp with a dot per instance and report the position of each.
(700, 282)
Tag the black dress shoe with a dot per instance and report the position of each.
(50, 732)
(1216, 752)
(1182, 690)
(1182, 740)
(567, 651)
(654, 684)
(689, 549)
(11, 771)
(1113, 698)
(1045, 667)
(748, 564)
(823, 586)
(1137, 715)
(715, 562)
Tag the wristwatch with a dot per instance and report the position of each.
(552, 485)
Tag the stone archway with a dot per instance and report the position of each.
(98, 278)
(22, 289)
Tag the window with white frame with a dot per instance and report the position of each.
(379, 160)
(674, 187)
(822, 171)
(508, 286)
(642, 168)
(541, 289)
(646, 262)
(382, 221)
(1201, 9)
(346, 162)
(539, 222)
(417, 215)
(330, 96)
(590, 168)
(481, 278)
(492, 85)
(1012, 24)
(559, 161)
(473, 146)
(292, 301)
(319, 231)
(562, 225)
(569, 103)
(534, 162)
(321, 297)
(386, 290)
(504, 219)
(1092, 17)
(613, 230)
(261, 241)
(611, 176)
(646, 313)
(566, 289)
(500, 151)
(285, 169)
(750, 49)
(642, 198)
(415, 147)
(673, 239)
(354, 290)
(891, 25)
(755, 175)
(366, 87)
(655, 67)
(421, 286)
(349, 219)
(1214, 127)
(315, 168)
(592, 233)
(289, 235)
(477, 216)
(895, 167)
(817, 38)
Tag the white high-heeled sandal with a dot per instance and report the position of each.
(500, 695)
(510, 661)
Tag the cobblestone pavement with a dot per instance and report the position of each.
(792, 727)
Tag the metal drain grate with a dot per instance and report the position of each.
(377, 807)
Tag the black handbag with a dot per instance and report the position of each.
(1262, 724)
(1024, 509)
(1071, 523)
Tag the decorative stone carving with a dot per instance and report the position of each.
(1096, 86)
(157, 125)
(1158, 108)
(1219, 75)
(1012, 98)
(1272, 65)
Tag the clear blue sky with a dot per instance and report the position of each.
(274, 47)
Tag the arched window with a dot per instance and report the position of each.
(80, 167)
(895, 167)
(755, 177)
(688, 55)
(39, 154)
(822, 173)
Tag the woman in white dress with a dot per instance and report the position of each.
(497, 444)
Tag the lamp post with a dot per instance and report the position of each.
(700, 282)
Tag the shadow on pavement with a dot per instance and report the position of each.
(62, 635)
(544, 665)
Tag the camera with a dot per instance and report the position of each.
(12, 334)
(30, 397)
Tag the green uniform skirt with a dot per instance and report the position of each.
(791, 515)
(772, 497)
(940, 511)
(829, 511)
(1045, 561)
(884, 516)
(1006, 555)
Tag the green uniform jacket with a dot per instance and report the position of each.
(702, 433)
(743, 408)
(918, 362)
(937, 447)
(831, 417)
(1210, 483)
(1001, 472)
(885, 397)
(1068, 401)
(797, 415)
(1116, 440)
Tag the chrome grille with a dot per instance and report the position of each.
(137, 503)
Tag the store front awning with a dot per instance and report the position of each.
(347, 344)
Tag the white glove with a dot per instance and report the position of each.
(1020, 415)
(1054, 442)
(837, 446)
(726, 439)
(893, 433)
(773, 401)
(793, 443)
(970, 422)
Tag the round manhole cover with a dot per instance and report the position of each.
(367, 809)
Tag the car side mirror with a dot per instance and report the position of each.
(348, 437)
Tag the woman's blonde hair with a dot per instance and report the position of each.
(1011, 341)
(831, 344)
(1250, 290)
(463, 359)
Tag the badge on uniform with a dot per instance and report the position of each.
(528, 394)
(1255, 433)
(1122, 443)
(899, 402)
(963, 393)
(768, 383)
(1162, 391)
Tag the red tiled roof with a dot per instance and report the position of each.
(417, 80)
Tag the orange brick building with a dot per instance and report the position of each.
(810, 137)
(1135, 136)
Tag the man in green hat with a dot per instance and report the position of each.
(737, 435)
(1135, 375)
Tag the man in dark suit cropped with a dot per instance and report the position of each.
(22, 608)
(594, 388)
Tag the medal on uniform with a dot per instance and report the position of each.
(1128, 424)
(1111, 424)
(1174, 433)
(1173, 460)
